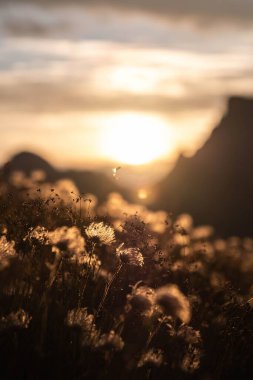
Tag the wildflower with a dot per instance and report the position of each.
(141, 299)
(178, 266)
(182, 240)
(3, 229)
(110, 341)
(190, 335)
(202, 232)
(131, 256)
(156, 221)
(89, 261)
(7, 252)
(19, 319)
(191, 360)
(68, 240)
(220, 245)
(80, 318)
(184, 222)
(39, 234)
(151, 358)
(196, 267)
(170, 298)
(102, 232)
(136, 232)
(217, 280)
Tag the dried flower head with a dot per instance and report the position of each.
(190, 335)
(174, 302)
(141, 300)
(19, 319)
(191, 360)
(7, 252)
(151, 358)
(39, 234)
(101, 232)
(136, 232)
(3, 229)
(131, 256)
(89, 261)
(110, 341)
(80, 318)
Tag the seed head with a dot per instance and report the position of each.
(174, 303)
(7, 252)
(110, 341)
(102, 232)
(131, 256)
(151, 358)
(141, 300)
(19, 319)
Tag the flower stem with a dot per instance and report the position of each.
(107, 288)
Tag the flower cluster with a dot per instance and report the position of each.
(120, 291)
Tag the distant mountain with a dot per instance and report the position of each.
(86, 181)
(216, 185)
(28, 162)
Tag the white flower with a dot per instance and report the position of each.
(104, 233)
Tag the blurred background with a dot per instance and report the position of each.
(136, 85)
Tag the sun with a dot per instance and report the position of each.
(135, 139)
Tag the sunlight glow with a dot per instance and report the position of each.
(136, 139)
(142, 194)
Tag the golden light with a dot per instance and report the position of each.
(134, 79)
(142, 194)
(136, 139)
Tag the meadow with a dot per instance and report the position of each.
(112, 290)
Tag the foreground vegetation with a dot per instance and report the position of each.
(115, 291)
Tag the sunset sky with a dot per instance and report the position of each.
(86, 83)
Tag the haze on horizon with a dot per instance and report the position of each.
(93, 84)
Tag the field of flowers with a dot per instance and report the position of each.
(115, 291)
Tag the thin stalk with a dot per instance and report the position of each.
(88, 272)
(155, 331)
(107, 289)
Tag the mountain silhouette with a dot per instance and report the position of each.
(86, 181)
(215, 186)
(27, 163)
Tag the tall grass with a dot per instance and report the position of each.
(100, 291)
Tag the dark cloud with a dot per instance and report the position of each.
(33, 28)
(202, 11)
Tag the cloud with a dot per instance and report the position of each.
(211, 11)
(59, 98)
(200, 11)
